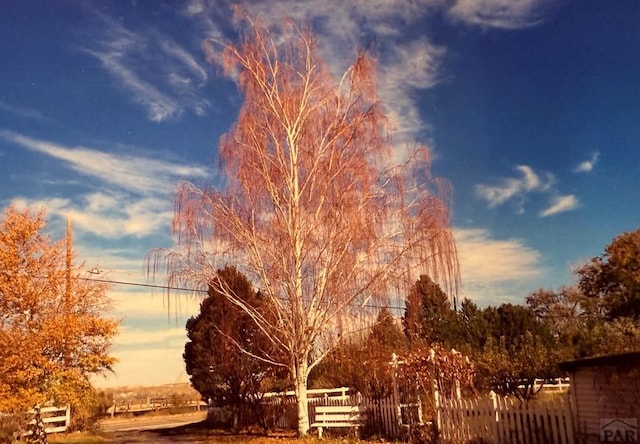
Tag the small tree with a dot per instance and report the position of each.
(223, 341)
(312, 208)
(511, 366)
(519, 349)
(53, 333)
(573, 318)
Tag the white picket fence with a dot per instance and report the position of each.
(489, 419)
(493, 419)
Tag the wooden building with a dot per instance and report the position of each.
(605, 392)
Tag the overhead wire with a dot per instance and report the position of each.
(193, 290)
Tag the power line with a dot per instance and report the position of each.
(193, 290)
(137, 284)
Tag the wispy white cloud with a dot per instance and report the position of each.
(506, 14)
(587, 165)
(411, 67)
(405, 65)
(22, 111)
(515, 188)
(159, 74)
(138, 175)
(133, 192)
(496, 270)
(188, 62)
(561, 204)
(108, 215)
(138, 218)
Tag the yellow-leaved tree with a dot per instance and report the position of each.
(53, 330)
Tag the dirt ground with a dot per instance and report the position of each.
(191, 433)
(194, 434)
(172, 436)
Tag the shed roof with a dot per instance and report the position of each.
(595, 361)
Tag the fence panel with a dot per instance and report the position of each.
(382, 414)
(505, 421)
(54, 419)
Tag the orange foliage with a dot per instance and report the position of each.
(52, 330)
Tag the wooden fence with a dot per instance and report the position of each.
(384, 416)
(493, 419)
(55, 419)
(489, 419)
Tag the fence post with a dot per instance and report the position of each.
(436, 404)
(396, 392)
(495, 427)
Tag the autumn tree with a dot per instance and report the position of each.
(312, 208)
(572, 318)
(512, 366)
(222, 340)
(53, 331)
(613, 279)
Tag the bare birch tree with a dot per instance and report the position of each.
(311, 209)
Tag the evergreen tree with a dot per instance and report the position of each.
(223, 341)
(429, 316)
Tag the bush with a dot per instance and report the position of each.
(9, 427)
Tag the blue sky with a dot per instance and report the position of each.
(531, 108)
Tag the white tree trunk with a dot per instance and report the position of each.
(302, 401)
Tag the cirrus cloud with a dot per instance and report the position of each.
(515, 188)
(156, 72)
(560, 204)
(505, 14)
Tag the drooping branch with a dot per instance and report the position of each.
(312, 211)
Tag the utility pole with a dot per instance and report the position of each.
(67, 289)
